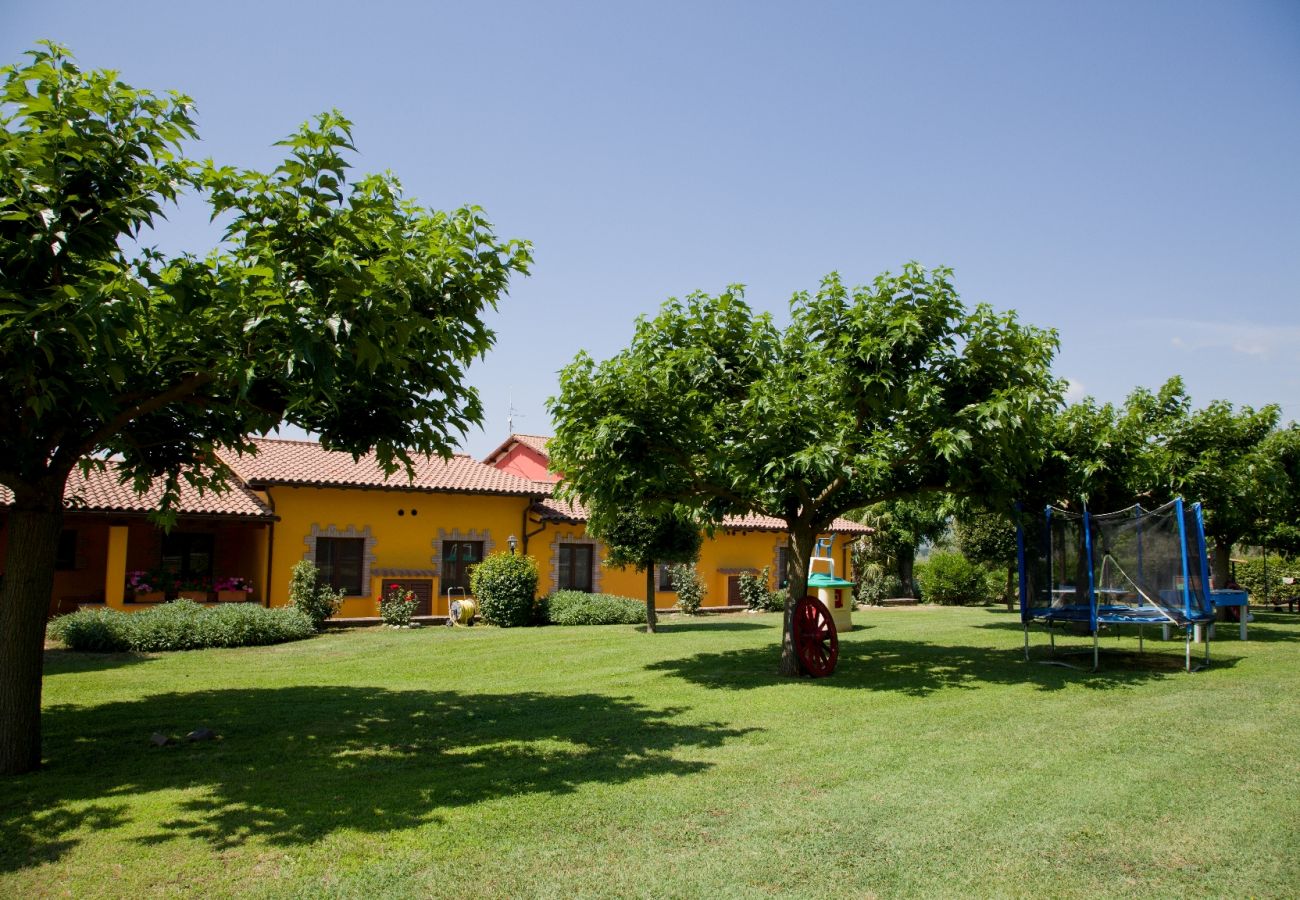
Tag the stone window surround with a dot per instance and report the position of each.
(351, 531)
(457, 535)
(597, 557)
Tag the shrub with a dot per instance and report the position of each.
(1250, 575)
(397, 606)
(875, 584)
(505, 586)
(753, 590)
(315, 600)
(689, 587)
(180, 625)
(777, 599)
(951, 579)
(581, 608)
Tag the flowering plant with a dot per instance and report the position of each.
(141, 582)
(397, 606)
(233, 583)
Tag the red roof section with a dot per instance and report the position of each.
(307, 463)
(535, 442)
(102, 491)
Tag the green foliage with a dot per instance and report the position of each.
(689, 587)
(1220, 456)
(639, 540)
(397, 606)
(985, 536)
(950, 579)
(180, 625)
(1250, 575)
(756, 595)
(317, 601)
(876, 583)
(885, 390)
(505, 586)
(333, 303)
(900, 526)
(581, 608)
(340, 306)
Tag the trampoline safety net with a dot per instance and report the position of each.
(1135, 565)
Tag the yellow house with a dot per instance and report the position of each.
(366, 531)
(107, 535)
(566, 554)
(569, 558)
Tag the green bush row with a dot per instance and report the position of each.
(579, 608)
(180, 625)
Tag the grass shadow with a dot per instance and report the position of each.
(61, 661)
(920, 668)
(295, 764)
(671, 627)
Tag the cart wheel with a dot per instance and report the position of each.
(815, 638)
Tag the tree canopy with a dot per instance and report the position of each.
(641, 540)
(335, 304)
(875, 392)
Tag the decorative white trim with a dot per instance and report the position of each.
(597, 557)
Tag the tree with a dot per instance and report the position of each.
(988, 536)
(1279, 526)
(1222, 457)
(879, 392)
(901, 526)
(1110, 457)
(340, 307)
(639, 540)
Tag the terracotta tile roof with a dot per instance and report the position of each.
(308, 463)
(103, 492)
(553, 509)
(754, 522)
(535, 442)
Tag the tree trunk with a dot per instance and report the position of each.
(802, 538)
(906, 566)
(650, 598)
(1011, 592)
(1222, 563)
(24, 603)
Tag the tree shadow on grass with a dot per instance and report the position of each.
(61, 661)
(294, 764)
(673, 627)
(919, 668)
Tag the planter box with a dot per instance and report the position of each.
(196, 596)
(149, 597)
(232, 596)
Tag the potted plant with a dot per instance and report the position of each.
(233, 589)
(191, 589)
(144, 587)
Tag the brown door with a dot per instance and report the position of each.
(423, 588)
(733, 591)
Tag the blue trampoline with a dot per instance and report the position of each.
(1135, 567)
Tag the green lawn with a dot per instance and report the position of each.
(607, 762)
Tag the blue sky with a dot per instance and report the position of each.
(1127, 173)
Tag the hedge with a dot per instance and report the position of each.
(580, 608)
(180, 625)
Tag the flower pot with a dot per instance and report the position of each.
(232, 596)
(148, 597)
(196, 596)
